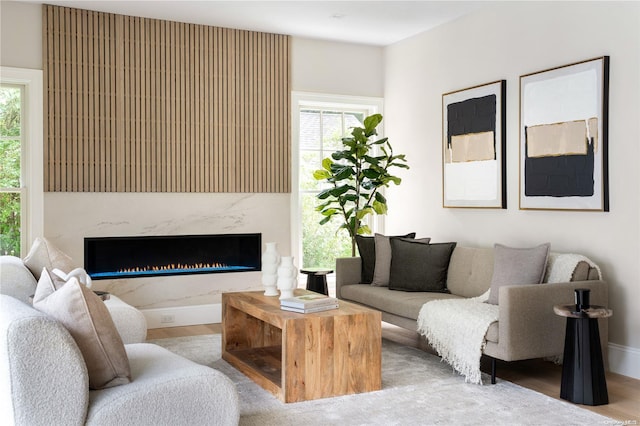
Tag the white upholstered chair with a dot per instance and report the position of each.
(44, 380)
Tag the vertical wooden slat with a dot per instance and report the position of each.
(202, 101)
(182, 102)
(152, 78)
(72, 110)
(142, 105)
(221, 83)
(92, 113)
(137, 113)
(47, 71)
(161, 152)
(148, 121)
(172, 108)
(82, 99)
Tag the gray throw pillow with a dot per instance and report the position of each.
(416, 266)
(367, 250)
(517, 266)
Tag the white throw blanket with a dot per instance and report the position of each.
(456, 329)
(560, 267)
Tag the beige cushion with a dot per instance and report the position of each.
(406, 304)
(44, 254)
(88, 321)
(383, 261)
(517, 266)
(470, 271)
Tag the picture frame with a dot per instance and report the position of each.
(564, 137)
(474, 147)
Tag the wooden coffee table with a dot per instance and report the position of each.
(299, 357)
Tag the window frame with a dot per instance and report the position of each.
(304, 100)
(31, 163)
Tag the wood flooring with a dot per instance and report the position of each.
(537, 375)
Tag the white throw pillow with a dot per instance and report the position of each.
(44, 254)
(89, 322)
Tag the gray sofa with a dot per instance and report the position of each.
(527, 326)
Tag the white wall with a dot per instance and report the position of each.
(504, 42)
(20, 35)
(336, 68)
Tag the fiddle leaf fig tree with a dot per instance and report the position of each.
(355, 176)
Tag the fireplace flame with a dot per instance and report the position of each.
(173, 267)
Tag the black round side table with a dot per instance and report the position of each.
(583, 379)
(317, 279)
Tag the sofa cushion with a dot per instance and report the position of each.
(470, 271)
(88, 321)
(406, 304)
(367, 250)
(416, 266)
(384, 254)
(16, 279)
(517, 266)
(43, 254)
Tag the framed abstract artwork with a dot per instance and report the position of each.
(474, 143)
(564, 137)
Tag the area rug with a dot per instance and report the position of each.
(417, 389)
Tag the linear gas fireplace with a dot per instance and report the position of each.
(128, 257)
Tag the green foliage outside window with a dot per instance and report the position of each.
(10, 138)
(321, 132)
(321, 245)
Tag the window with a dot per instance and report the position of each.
(11, 189)
(21, 182)
(320, 122)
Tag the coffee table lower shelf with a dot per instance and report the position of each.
(262, 365)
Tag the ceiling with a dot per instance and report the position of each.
(378, 23)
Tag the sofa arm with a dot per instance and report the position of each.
(348, 271)
(166, 389)
(16, 279)
(528, 327)
(43, 377)
(130, 322)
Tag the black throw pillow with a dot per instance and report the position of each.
(367, 250)
(416, 266)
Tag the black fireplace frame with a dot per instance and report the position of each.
(100, 254)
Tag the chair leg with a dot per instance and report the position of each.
(493, 371)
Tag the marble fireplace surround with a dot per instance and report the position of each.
(187, 299)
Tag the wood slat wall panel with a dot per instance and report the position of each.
(144, 105)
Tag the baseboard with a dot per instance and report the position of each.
(183, 315)
(624, 360)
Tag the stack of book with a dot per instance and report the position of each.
(309, 303)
